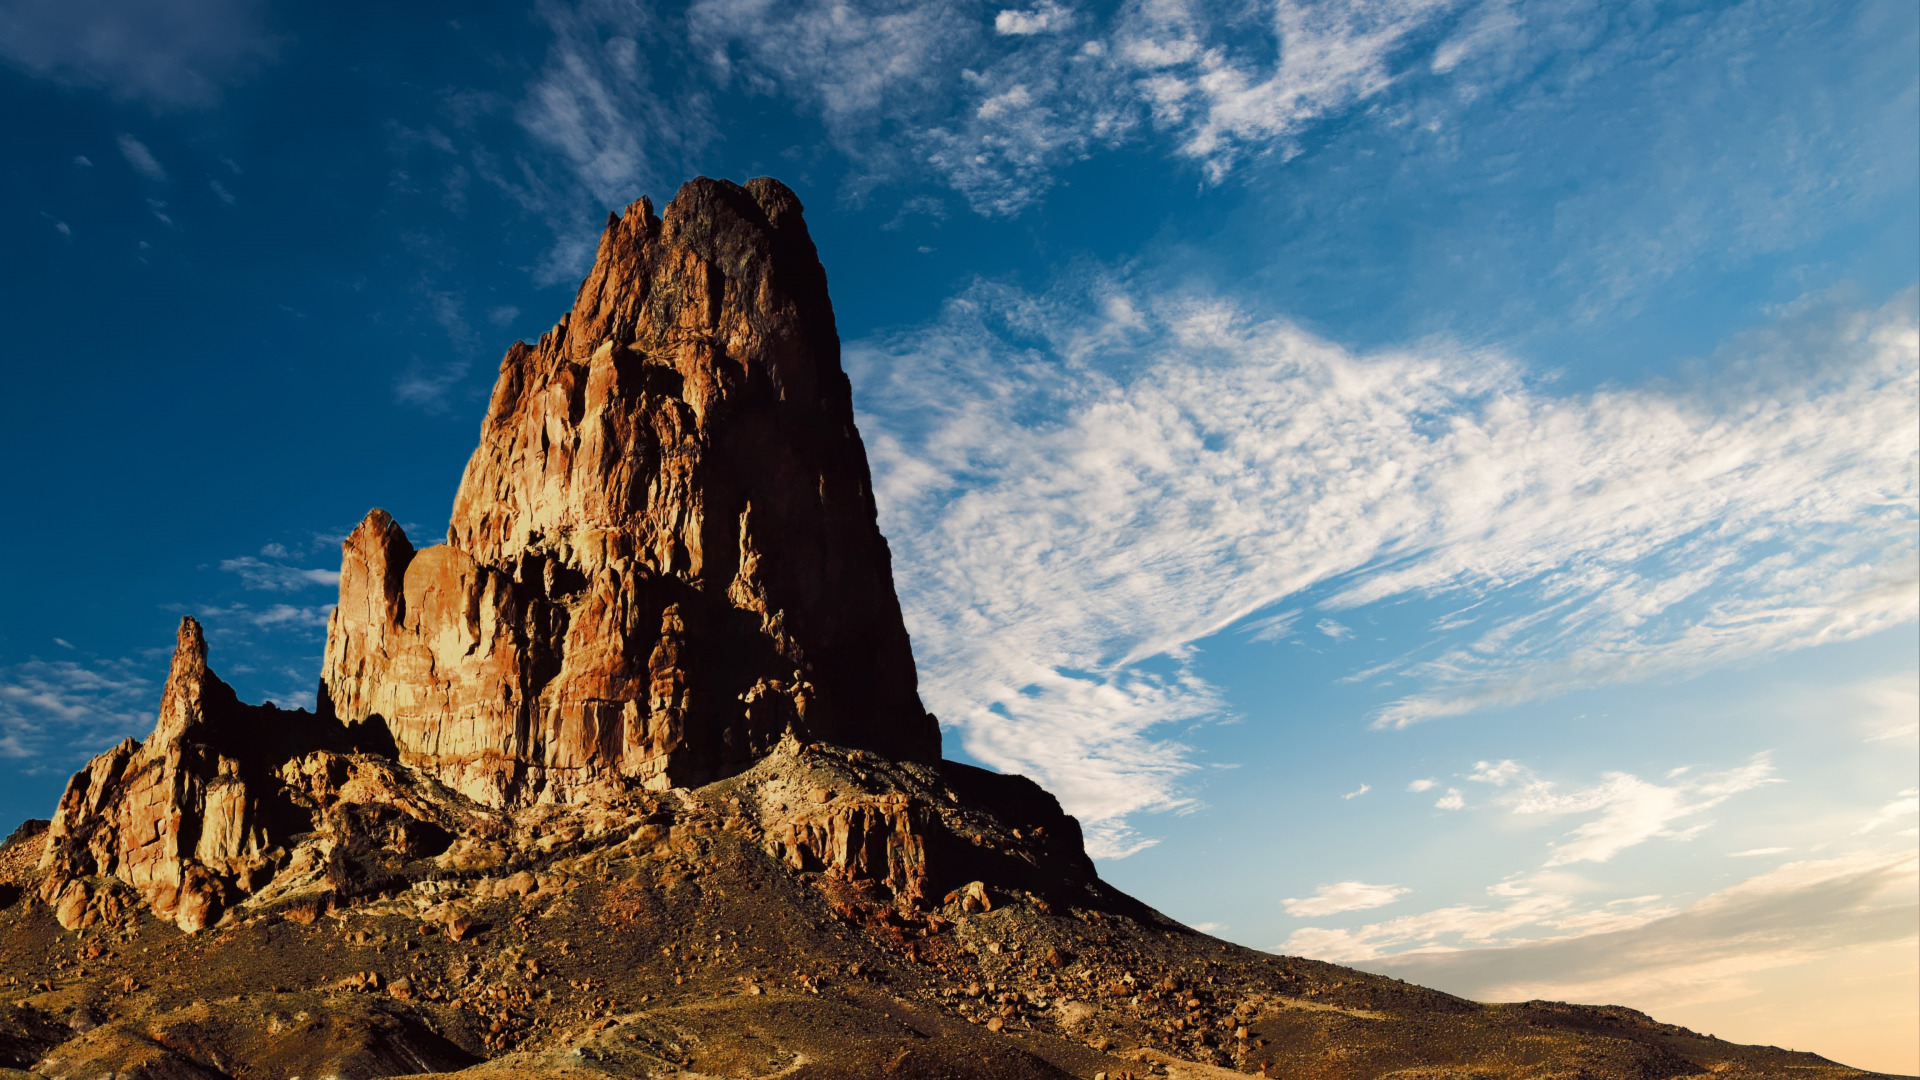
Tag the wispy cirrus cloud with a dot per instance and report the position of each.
(430, 384)
(228, 617)
(1470, 926)
(1621, 811)
(1629, 811)
(1084, 485)
(267, 574)
(1343, 896)
(1900, 807)
(1538, 919)
(596, 101)
(610, 115)
(177, 54)
(50, 707)
(995, 101)
(141, 158)
(1705, 965)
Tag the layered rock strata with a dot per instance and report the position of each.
(664, 553)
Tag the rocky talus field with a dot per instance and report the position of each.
(630, 777)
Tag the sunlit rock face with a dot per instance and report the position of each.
(663, 563)
(183, 819)
(664, 553)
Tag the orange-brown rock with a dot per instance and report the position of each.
(664, 553)
(883, 839)
(663, 558)
(663, 570)
(180, 818)
(201, 815)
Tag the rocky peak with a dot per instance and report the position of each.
(178, 818)
(664, 553)
(664, 563)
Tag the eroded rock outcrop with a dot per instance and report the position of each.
(663, 559)
(185, 819)
(664, 553)
(222, 796)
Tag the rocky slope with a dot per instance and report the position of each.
(631, 777)
(826, 912)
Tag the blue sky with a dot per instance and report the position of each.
(1432, 485)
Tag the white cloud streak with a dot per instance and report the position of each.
(612, 113)
(1623, 812)
(1343, 896)
(141, 158)
(1080, 487)
(1631, 811)
(995, 107)
(1904, 805)
(296, 617)
(1040, 19)
(258, 573)
(594, 100)
(1796, 913)
(50, 708)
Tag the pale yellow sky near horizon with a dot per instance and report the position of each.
(1747, 964)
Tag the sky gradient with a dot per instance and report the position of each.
(1432, 486)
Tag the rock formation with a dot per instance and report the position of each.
(663, 559)
(630, 777)
(179, 818)
(664, 552)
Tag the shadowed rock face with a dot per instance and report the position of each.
(664, 553)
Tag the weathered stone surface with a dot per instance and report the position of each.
(663, 558)
(180, 817)
(882, 839)
(200, 816)
(663, 567)
(664, 553)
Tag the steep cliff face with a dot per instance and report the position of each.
(663, 563)
(664, 553)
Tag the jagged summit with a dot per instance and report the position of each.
(664, 558)
(664, 552)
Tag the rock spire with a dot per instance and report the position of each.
(183, 818)
(664, 552)
(664, 562)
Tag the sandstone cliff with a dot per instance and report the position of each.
(664, 552)
(663, 560)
